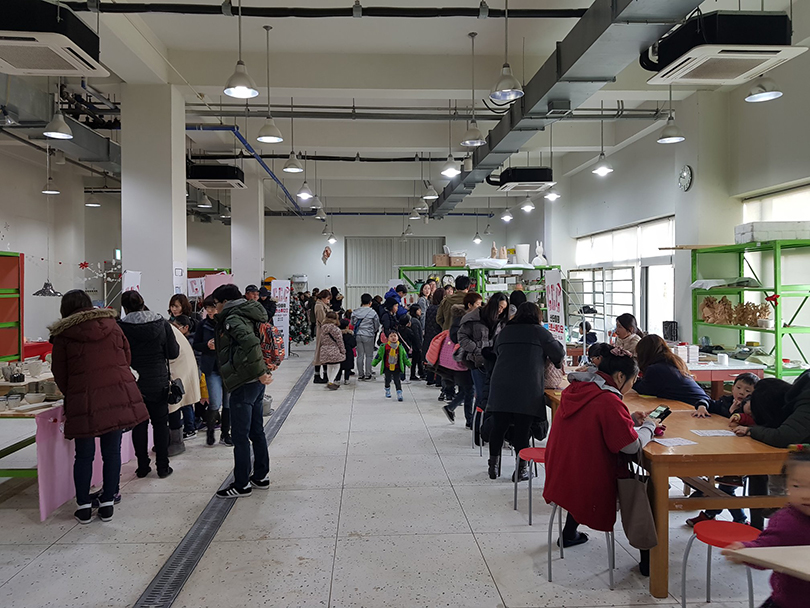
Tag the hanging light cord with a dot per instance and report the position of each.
(551, 148)
(267, 29)
(505, 32)
(602, 126)
(472, 97)
(239, 27)
(292, 127)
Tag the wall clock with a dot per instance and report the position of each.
(685, 178)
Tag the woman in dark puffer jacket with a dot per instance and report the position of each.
(432, 330)
(152, 343)
(91, 362)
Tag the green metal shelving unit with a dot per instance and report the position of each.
(782, 328)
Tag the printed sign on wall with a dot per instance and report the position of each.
(280, 292)
(554, 301)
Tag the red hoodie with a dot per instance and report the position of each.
(590, 428)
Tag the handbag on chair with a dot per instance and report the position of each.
(634, 504)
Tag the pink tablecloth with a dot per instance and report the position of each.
(55, 456)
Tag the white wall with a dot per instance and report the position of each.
(26, 222)
(102, 238)
(209, 245)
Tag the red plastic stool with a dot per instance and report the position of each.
(478, 411)
(718, 534)
(530, 455)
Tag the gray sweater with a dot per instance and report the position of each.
(366, 322)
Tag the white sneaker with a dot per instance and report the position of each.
(345, 381)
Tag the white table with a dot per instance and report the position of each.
(794, 561)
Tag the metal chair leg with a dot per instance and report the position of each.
(530, 497)
(709, 574)
(750, 587)
(472, 439)
(610, 558)
(560, 525)
(550, 532)
(683, 569)
(515, 477)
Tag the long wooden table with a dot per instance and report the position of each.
(709, 457)
(794, 561)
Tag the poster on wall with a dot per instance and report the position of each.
(131, 280)
(179, 276)
(554, 301)
(212, 281)
(280, 292)
(195, 288)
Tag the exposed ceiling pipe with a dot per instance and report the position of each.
(267, 12)
(604, 42)
(274, 213)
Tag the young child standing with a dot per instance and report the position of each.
(349, 344)
(394, 360)
(788, 527)
(727, 406)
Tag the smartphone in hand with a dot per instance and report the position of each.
(660, 413)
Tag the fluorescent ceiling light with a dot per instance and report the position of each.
(450, 168)
(293, 165)
(506, 216)
(603, 167)
(304, 193)
(763, 89)
(269, 133)
(58, 128)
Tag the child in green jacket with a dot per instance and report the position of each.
(394, 360)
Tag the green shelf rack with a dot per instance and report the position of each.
(783, 328)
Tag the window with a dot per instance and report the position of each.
(793, 205)
(624, 246)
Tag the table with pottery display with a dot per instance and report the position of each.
(699, 449)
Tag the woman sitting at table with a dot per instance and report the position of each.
(591, 428)
(627, 333)
(91, 362)
(664, 374)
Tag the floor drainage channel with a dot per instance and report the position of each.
(166, 586)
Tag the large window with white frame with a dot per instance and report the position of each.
(788, 206)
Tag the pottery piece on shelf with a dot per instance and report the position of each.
(540, 259)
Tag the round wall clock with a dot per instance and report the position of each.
(685, 178)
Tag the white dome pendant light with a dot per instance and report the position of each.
(552, 195)
(269, 133)
(430, 193)
(50, 184)
(450, 168)
(671, 134)
(528, 205)
(506, 216)
(304, 192)
(507, 88)
(602, 168)
(473, 138)
(240, 85)
(477, 238)
(763, 89)
(292, 165)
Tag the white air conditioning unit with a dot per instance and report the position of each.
(215, 177)
(712, 64)
(45, 54)
(523, 179)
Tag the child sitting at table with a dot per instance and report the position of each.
(727, 406)
(788, 527)
(595, 354)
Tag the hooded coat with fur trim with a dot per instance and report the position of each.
(91, 360)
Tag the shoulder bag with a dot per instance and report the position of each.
(176, 388)
(634, 504)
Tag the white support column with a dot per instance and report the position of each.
(153, 190)
(247, 233)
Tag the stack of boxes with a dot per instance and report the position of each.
(755, 232)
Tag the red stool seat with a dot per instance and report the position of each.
(533, 454)
(722, 533)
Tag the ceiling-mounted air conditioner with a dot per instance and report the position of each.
(523, 179)
(722, 48)
(216, 177)
(37, 38)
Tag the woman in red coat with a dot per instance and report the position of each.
(591, 427)
(91, 367)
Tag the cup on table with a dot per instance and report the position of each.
(722, 359)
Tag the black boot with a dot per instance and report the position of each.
(225, 427)
(494, 469)
(210, 422)
(523, 471)
(318, 378)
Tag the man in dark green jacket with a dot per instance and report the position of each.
(244, 375)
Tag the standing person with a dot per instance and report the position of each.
(478, 331)
(627, 334)
(252, 293)
(516, 298)
(268, 303)
(664, 374)
(310, 308)
(244, 374)
(320, 311)
(394, 360)
(189, 421)
(349, 344)
(424, 295)
(337, 300)
(462, 379)
(152, 344)
(443, 316)
(330, 350)
(418, 367)
(432, 330)
(218, 398)
(184, 368)
(376, 304)
(398, 293)
(366, 324)
(179, 305)
(449, 290)
(90, 363)
(515, 396)
(388, 316)
(591, 430)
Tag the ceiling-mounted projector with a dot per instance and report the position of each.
(523, 179)
(722, 48)
(38, 38)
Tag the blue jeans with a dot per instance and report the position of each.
(83, 466)
(465, 393)
(479, 378)
(247, 426)
(217, 396)
(188, 418)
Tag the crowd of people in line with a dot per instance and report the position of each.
(490, 357)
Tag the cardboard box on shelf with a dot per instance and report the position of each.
(458, 261)
(441, 260)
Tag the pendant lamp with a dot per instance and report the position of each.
(552, 195)
(415, 214)
(50, 185)
(269, 133)
(602, 168)
(528, 205)
(763, 89)
(477, 238)
(58, 128)
(671, 134)
(430, 193)
(506, 216)
(293, 165)
(304, 192)
(92, 201)
(450, 168)
(507, 88)
(48, 291)
(473, 138)
(240, 85)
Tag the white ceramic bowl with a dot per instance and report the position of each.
(765, 323)
(35, 397)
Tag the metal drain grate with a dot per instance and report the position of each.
(168, 583)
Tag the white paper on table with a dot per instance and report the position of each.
(715, 433)
(674, 442)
